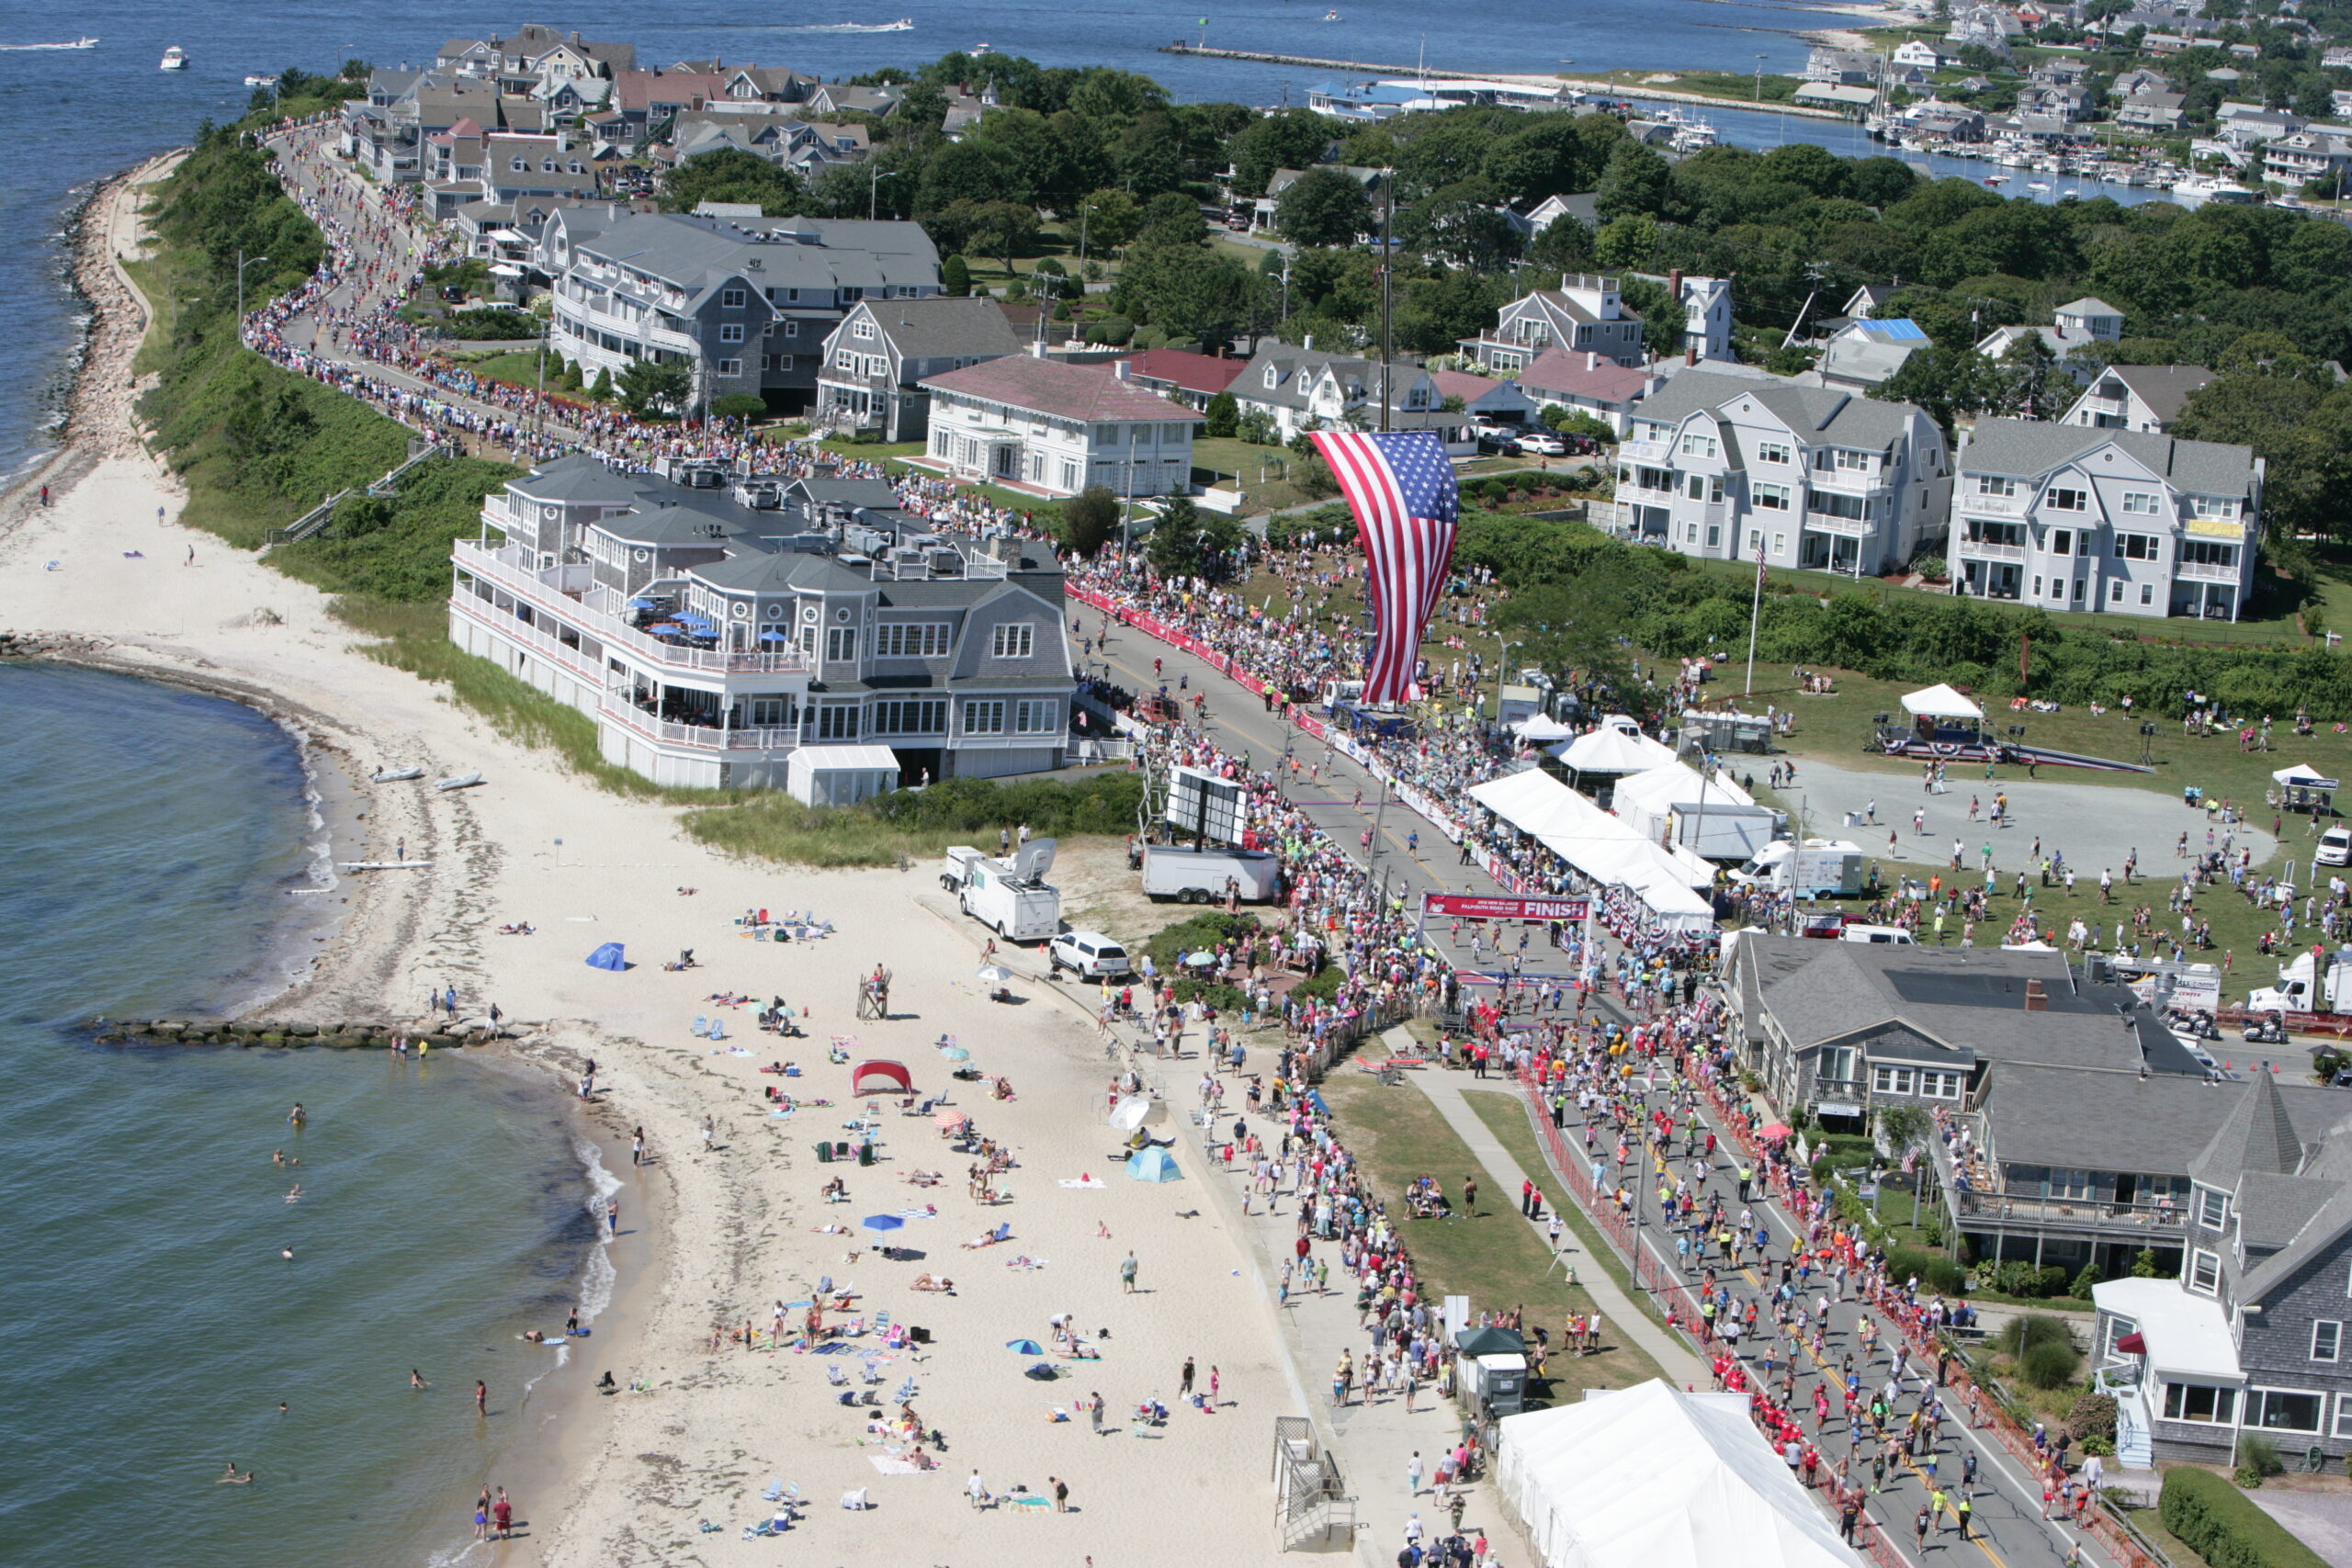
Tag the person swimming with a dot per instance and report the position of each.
(230, 1477)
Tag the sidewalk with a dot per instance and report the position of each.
(1623, 1316)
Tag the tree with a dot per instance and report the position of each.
(1005, 229)
(1108, 219)
(731, 175)
(955, 276)
(1223, 417)
(1564, 245)
(1902, 1126)
(1172, 218)
(603, 390)
(1089, 520)
(739, 405)
(1188, 542)
(654, 386)
(1186, 293)
(1322, 207)
(1293, 139)
(1638, 183)
(1575, 626)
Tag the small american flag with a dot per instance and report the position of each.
(1759, 560)
(1401, 489)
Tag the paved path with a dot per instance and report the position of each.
(2096, 825)
(2321, 1520)
(1447, 1091)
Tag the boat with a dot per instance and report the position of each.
(2042, 186)
(1330, 16)
(394, 775)
(2196, 190)
(261, 80)
(980, 48)
(174, 59)
(1996, 181)
(457, 781)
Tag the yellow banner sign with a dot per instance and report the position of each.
(2216, 528)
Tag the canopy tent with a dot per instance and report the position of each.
(1154, 1164)
(1489, 1342)
(2302, 776)
(840, 775)
(1940, 702)
(607, 957)
(1540, 726)
(1613, 750)
(1718, 818)
(1652, 1477)
(1603, 848)
(880, 1076)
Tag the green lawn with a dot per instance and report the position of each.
(1491, 1256)
(518, 366)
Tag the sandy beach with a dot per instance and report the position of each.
(711, 1239)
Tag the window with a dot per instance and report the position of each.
(2344, 1414)
(731, 332)
(1840, 459)
(2213, 506)
(2135, 546)
(2212, 1208)
(731, 299)
(920, 639)
(2282, 1410)
(2147, 593)
(1780, 544)
(1772, 452)
(841, 645)
(2204, 1272)
(784, 362)
(1689, 533)
(1987, 485)
(837, 722)
(730, 367)
(923, 717)
(1939, 1086)
(792, 329)
(2199, 1402)
(2065, 500)
(1016, 639)
(984, 719)
(1695, 444)
(864, 329)
(1040, 716)
(2139, 504)
(1714, 536)
(2115, 592)
(1772, 497)
(2327, 1341)
(1756, 541)
(768, 712)
(1891, 1080)
(2062, 541)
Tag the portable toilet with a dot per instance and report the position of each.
(1494, 1368)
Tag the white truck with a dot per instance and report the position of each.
(2301, 991)
(1198, 876)
(1011, 898)
(1815, 868)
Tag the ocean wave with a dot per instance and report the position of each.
(598, 1277)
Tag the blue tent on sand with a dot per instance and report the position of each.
(1154, 1164)
(607, 957)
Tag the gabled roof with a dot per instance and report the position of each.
(1827, 414)
(579, 477)
(1208, 374)
(1087, 393)
(943, 327)
(1464, 385)
(2022, 448)
(2164, 388)
(1586, 375)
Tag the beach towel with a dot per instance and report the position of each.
(1089, 1181)
(890, 1465)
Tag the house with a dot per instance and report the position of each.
(873, 364)
(1987, 27)
(1038, 424)
(1922, 56)
(745, 301)
(1552, 209)
(1858, 361)
(2248, 1337)
(2088, 316)
(2062, 101)
(2164, 45)
(2118, 521)
(1482, 395)
(1706, 312)
(817, 616)
(2311, 153)
(769, 85)
(1589, 384)
(1263, 209)
(1585, 314)
(2152, 109)
(1724, 467)
(1849, 67)
(831, 101)
(2145, 397)
(2075, 327)
(1179, 375)
(1306, 389)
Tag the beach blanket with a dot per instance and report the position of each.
(1083, 1181)
(890, 1465)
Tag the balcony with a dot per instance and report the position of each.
(1985, 549)
(1847, 481)
(698, 736)
(1844, 528)
(594, 615)
(1967, 502)
(1660, 452)
(2204, 572)
(2065, 1213)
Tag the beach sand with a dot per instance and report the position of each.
(719, 1236)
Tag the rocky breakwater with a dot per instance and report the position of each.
(247, 1033)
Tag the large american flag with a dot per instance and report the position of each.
(1401, 489)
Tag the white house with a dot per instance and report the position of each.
(1724, 466)
(2145, 397)
(1585, 314)
(1033, 423)
(1922, 54)
(2118, 520)
(1307, 389)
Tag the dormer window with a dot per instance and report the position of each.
(2212, 1208)
(1272, 376)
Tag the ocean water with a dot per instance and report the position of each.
(73, 117)
(149, 846)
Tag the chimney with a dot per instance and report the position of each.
(2036, 999)
(1591, 360)
(1119, 367)
(1674, 284)
(1689, 354)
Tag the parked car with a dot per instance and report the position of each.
(2334, 847)
(1090, 955)
(1539, 443)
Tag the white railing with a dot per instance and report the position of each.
(1844, 528)
(615, 632)
(700, 737)
(489, 616)
(1992, 505)
(1646, 451)
(2204, 572)
(1846, 482)
(1984, 549)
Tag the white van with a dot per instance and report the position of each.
(1893, 936)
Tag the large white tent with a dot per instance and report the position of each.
(1541, 727)
(1940, 702)
(1610, 750)
(1721, 819)
(1652, 1477)
(1602, 847)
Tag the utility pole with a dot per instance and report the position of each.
(244, 261)
(1387, 266)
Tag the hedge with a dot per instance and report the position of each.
(2224, 1527)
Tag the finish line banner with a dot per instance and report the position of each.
(1475, 907)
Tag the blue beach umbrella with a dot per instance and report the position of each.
(880, 1223)
(775, 636)
(1024, 1347)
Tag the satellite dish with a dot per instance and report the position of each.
(1034, 859)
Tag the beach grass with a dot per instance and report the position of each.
(1491, 1256)
(920, 824)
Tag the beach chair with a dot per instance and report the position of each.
(773, 1491)
(835, 1376)
(870, 1372)
(854, 1501)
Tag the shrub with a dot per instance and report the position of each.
(2092, 1417)
(1935, 1271)
(2083, 1282)
(2052, 1364)
(739, 405)
(2258, 1460)
(1932, 568)
(2225, 1527)
(2053, 1281)
(2026, 1330)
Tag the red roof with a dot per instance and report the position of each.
(1089, 393)
(1587, 375)
(1464, 385)
(1202, 373)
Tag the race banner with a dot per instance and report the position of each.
(1475, 906)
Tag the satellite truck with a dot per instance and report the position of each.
(1011, 896)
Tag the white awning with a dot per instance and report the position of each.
(1603, 848)
(2186, 1334)
(1940, 702)
(1611, 750)
(1540, 726)
(2303, 776)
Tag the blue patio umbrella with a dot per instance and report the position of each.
(641, 603)
(1024, 1347)
(775, 636)
(880, 1223)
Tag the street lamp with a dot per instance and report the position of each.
(1759, 78)
(244, 261)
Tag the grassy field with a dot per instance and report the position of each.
(1490, 1256)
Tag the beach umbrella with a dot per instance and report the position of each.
(949, 1118)
(607, 957)
(1024, 1347)
(995, 974)
(1774, 1133)
(880, 1223)
(1131, 1113)
(774, 636)
(956, 1053)
(1201, 960)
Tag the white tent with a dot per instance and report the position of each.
(1940, 702)
(1652, 1477)
(1611, 750)
(1603, 848)
(2304, 775)
(1540, 726)
(840, 775)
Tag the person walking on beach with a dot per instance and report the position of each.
(482, 1515)
(1185, 1385)
(637, 1147)
(502, 1513)
(481, 1397)
(1127, 1275)
(975, 1490)
(613, 1216)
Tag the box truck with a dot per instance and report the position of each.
(1815, 868)
(1198, 876)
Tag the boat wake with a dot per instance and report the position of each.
(26, 48)
(903, 25)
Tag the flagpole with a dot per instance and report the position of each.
(1755, 616)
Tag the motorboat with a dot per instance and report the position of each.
(394, 775)
(1330, 16)
(2196, 190)
(261, 80)
(174, 59)
(2041, 188)
(1996, 181)
(981, 49)
(457, 781)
